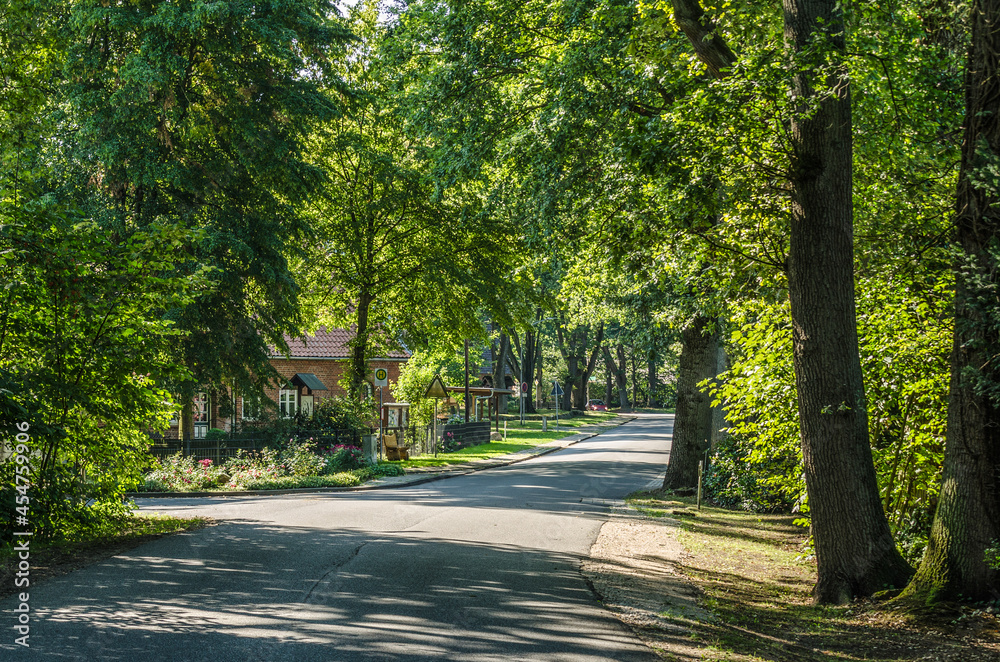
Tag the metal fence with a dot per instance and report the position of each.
(219, 450)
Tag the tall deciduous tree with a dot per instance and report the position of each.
(855, 552)
(957, 563)
(392, 254)
(184, 111)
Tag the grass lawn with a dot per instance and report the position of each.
(756, 577)
(51, 559)
(518, 438)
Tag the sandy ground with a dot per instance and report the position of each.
(633, 568)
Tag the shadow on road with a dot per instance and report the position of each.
(246, 591)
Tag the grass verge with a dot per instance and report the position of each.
(53, 558)
(756, 578)
(518, 438)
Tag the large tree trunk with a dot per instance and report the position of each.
(573, 347)
(651, 376)
(693, 419)
(500, 371)
(588, 369)
(608, 384)
(530, 356)
(617, 371)
(621, 376)
(523, 365)
(359, 347)
(967, 521)
(855, 552)
(635, 379)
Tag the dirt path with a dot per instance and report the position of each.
(633, 568)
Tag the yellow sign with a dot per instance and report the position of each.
(381, 377)
(436, 389)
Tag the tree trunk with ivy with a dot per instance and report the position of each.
(962, 557)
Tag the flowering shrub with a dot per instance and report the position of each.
(449, 443)
(245, 468)
(300, 458)
(296, 464)
(182, 474)
(343, 458)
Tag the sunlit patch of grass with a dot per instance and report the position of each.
(518, 439)
(753, 578)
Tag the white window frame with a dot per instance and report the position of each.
(288, 402)
(252, 408)
(201, 413)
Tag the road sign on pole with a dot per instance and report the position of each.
(381, 377)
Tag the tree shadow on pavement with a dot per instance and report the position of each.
(249, 591)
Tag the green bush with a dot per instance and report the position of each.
(340, 413)
(379, 470)
(344, 458)
(737, 479)
(215, 434)
(299, 458)
(344, 479)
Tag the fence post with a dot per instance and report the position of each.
(187, 446)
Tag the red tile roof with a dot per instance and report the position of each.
(332, 344)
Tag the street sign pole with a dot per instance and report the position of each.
(381, 380)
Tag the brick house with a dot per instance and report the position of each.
(313, 369)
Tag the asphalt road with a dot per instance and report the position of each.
(478, 567)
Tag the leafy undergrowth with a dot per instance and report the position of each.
(53, 558)
(757, 582)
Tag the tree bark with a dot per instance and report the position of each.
(967, 520)
(635, 380)
(617, 371)
(499, 371)
(608, 383)
(622, 377)
(855, 552)
(651, 377)
(588, 369)
(531, 355)
(693, 418)
(359, 348)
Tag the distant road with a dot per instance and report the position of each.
(474, 568)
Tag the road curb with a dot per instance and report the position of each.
(465, 470)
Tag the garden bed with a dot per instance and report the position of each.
(296, 465)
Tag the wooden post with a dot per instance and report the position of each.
(701, 466)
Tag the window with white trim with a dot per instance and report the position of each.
(288, 402)
(200, 412)
(252, 407)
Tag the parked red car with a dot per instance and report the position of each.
(596, 405)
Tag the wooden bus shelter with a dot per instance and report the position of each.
(491, 394)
